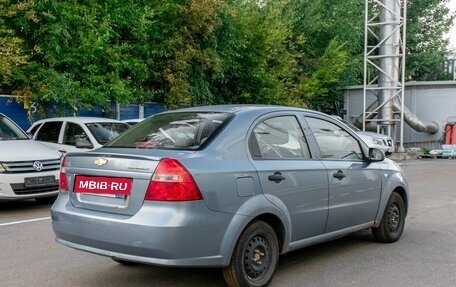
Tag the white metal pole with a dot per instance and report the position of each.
(404, 52)
(366, 23)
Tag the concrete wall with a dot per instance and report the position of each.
(430, 101)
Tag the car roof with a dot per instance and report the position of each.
(241, 108)
(79, 119)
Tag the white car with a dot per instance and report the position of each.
(68, 134)
(380, 141)
(28, 169)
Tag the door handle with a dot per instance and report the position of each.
(277, 177)
(339, 175)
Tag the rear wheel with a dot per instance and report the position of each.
(393, 220)
(255, 257)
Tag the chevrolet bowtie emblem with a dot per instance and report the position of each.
(101, 161)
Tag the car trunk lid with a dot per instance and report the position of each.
(113, 183)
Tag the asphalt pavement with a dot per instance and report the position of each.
(424, 256)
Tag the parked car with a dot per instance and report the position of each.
(380, 141)
(227, 186)
(27, 169)
(76, 133)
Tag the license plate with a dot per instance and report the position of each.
(116, 186)
(39, 181)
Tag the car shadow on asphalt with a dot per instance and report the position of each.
(115, 274)
(16, 205)
(336, 247)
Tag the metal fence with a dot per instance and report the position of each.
(21, 114)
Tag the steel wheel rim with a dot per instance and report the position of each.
(256, 259)
(394, 215)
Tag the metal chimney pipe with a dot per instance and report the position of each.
(387, 58)
(388, 61)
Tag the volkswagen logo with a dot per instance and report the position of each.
(101, 161)
(37, 165)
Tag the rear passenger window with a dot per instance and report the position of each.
(279, 138)
(49, 132)
(333, 141)
(74, 132)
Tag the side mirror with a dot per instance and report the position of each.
(376, 155)
(83, 144)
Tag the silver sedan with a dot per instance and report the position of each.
(227, 186)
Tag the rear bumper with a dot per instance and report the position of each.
(167, 234)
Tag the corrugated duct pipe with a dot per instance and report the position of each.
(409, 117)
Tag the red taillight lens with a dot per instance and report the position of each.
(172, 182)
(63, 181)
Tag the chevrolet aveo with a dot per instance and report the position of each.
(227, 186)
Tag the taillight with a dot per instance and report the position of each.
(172, 182)
(63, 181)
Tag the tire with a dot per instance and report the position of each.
(254, 258)
(393, 220)
(46, 200)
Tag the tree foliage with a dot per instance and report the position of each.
(12, 55)
(193, 52)
(427, 23)
(334, 35)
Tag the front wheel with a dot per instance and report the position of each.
(393, 220)
(255, 257)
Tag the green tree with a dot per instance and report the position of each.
(427, 23)
(239, 55)
(259, 64)
(193, 52)
(178, 52)
(193, 57)
(332, 50)
(12, 54)
(85, 52)
(322, 21)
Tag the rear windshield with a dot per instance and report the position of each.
(106, 131)
(181, 130)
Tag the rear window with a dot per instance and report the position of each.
(183, 130)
